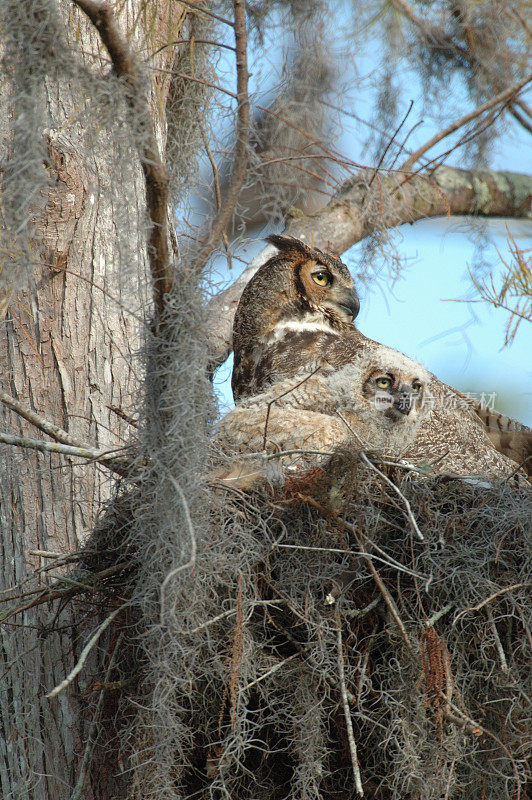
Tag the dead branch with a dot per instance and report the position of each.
(84, 653)
(502, 97)
(153, 167)
(49, 428)
(119, 465)
(242, 140)
(347, 710)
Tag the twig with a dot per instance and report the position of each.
(216, 182)
(155, 172)
(49, 428)
(53, 593)
(208, 12)
(347, 711)
(459, 123)
(122, 414)
(477, 728)
(487, 600)
(388, 599)
(84, 653)
(388, 560)
(95, 727)
(242, 139)
(390, 483)
(270, 671)
(438, 615)
(46, 554)
(391, 140)
(498, 644)
(120, 466)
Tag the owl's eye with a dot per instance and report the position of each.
(383, 383)
(322, 278)
(416, 388)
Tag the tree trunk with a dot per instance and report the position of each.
(66, 349)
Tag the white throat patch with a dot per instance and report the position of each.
(307, 323)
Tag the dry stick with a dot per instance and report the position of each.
(384, 558)
(50, 594)
(487, 600)
(95, 726)
(347, 712)
(476, 726)
(242, 139)
(216, 181)
(118, 465)
(49, 428)
(269, 672)
(84, 653)
(502, 97)
(390, 142)
(192, 78)
(155, 173)
(208, 12)
(187, 41)
(388, 599)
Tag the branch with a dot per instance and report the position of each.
(442, 40)
(84, 653)
(49, 428)
(153, 167)
(242, 139)
(120, 466)
(503, 97)
(343, 221)
(347, 710)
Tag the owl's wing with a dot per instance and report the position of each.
(452, 439)
(510, 437)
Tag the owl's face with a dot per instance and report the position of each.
(393, 392)
(326, 292)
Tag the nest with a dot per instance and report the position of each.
(317, 644)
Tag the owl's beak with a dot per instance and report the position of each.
(404, 400)
(349, 300)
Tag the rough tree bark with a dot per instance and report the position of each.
(66, 349)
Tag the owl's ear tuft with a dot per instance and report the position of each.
(287, 244)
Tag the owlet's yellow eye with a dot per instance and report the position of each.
(322, 278)
(383, 383)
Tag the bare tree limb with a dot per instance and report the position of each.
(49, 428)
(153, 167)
(502, 97)
(104, 457)
(242, 139)
(347, 710)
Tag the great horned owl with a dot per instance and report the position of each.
(297, 313)
(376, 401)
(293, 305)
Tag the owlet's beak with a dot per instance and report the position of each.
(404, 400)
